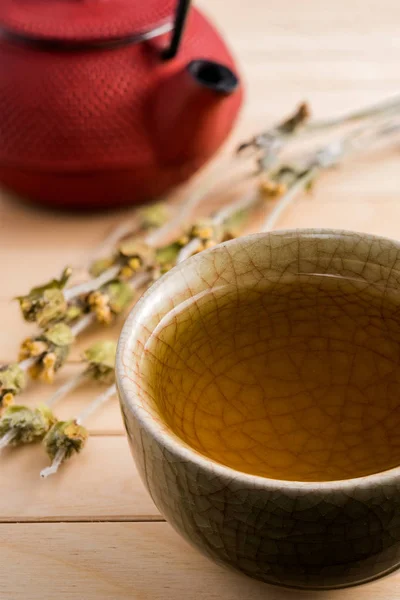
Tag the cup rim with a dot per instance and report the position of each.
(166, 438)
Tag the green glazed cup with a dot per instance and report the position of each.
(260, 387)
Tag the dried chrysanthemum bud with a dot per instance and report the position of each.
(12, 382)
(209, 234)
(134, 255)
(110, 300)
(99, 304)
(66, 436)
(73, 312)
(32, 348)
(50, 348)
(101, 265)
(167, 255)
(63, 440)
(101, 359)
(46, 303)
(54, 307)
(204, 230)
(272, 189)
(23, 425)
(153, 216)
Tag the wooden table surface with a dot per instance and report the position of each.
(92, 531)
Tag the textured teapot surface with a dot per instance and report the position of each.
(83, 20)
(92, 116)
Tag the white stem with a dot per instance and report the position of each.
(188, 250)
(242, 204)
(140, 279)
(286, 200)
(96, 404)
(219, 219)
(65, 389)
(385, 107)
(85, 414)
(119, 232)
(92, 284)
(184, 209)
(83, 323)
(55, 465)
(363, 137)
(273, 140)
(326, 157)
(27, 363)
(6, 439)
(217, 176)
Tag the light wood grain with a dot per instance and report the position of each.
(140, 561)
(338, 56)
(102, 484)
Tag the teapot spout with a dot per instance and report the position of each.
(195, 110)
(218, 79)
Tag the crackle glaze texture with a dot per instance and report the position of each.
(259, 383)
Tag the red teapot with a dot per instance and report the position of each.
(109, 102)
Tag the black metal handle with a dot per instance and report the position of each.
(182, 11)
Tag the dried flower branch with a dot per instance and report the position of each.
(297, 177)
(66, 438)
(45, 303)
(218, 228)
(287, 127)
(145, 219)
(50, 349)
(43, 354)
(23, 425)
(269, 144)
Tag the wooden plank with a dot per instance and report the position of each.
(140, 561)
(101, 484)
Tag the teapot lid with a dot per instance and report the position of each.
(83, 20)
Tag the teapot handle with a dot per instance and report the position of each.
(181, 13)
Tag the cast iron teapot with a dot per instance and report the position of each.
(109, 102)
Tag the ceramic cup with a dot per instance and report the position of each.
(260, 387)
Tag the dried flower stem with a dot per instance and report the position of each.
(325, 158)
(111, 240)
(387, 107)
(153, 239)
(92, 284)
(66, 388)
(245, 202)
(96, 404)
(55, 465)
(191, 248)
(6, 439)
(27, 363)
(61, 454)
(219, 219)
(185, 209)
(272, 141)
(86, 321)
(83, 323)
(283, 203)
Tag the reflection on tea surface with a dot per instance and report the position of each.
(299, 380)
